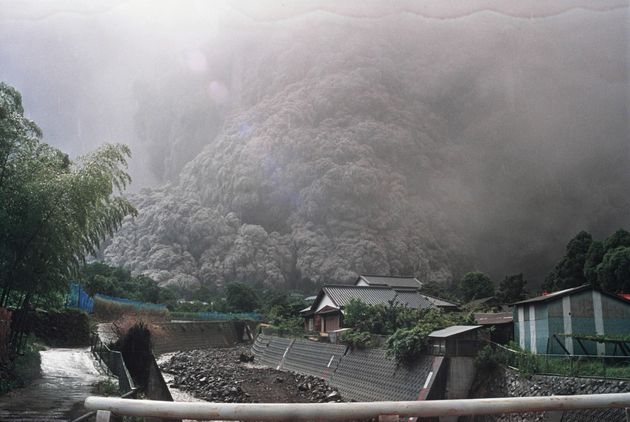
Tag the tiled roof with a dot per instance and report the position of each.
(436, 301)
(391, 281)
(413, 300)
(342, 295)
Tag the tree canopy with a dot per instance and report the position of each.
(241, 297)
(53, 211)
(512, 289)
(101, 278)
(604, 264)
(475, 285)
(569, 272)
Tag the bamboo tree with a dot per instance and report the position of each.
(53, 212)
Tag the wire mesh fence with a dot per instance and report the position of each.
(614, 367)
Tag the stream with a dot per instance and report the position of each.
(68, 376)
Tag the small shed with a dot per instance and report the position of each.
(554, 319)
(501, 324)
(457, 340)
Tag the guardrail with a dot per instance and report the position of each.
(343, 411)
(114, 362)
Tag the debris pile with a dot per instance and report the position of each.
(228, 376)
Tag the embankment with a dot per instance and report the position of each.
(355, 372)
(182, 336)
(505, 382)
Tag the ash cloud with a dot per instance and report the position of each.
(313, 142)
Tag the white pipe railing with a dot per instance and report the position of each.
(341, 411)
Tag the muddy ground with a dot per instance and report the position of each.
(229, 376)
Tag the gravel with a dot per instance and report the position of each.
(228, 376)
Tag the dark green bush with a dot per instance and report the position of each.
(357, 339)
(23, 369)
(63, 328)
(406, 344)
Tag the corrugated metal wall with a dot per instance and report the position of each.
(363, 375)
(591, 313)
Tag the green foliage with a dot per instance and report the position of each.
(618, 239)
(379, 319)
(488, 359)
(282, 311)
(475, 285)
(528, 363)
(512, 289)
(53, 211)
(241, 297)
(613, 274)
(407, 343)
(604, 264)
(62, 328)
(98, 277)
(278, 303)
(357, 339)
(106, 388)
(135, 343)
(23, 369)
(569, 272)
(594, 257)
(447, 291)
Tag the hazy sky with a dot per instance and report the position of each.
(75, 62)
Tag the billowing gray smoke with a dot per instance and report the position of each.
(326, 144)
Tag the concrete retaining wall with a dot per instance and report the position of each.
(362, 375)
(182, 336)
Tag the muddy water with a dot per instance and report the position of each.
(67, 379)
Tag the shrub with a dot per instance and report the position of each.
(406, 344)
(64, 328)
(23, 369)
(357, 339)
(136, 346)
(379, 319)
(488, 359)
(106, 388)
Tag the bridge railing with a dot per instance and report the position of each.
(107, 406)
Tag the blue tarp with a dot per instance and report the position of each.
(78, 298)
(215, 316)
(135, 303)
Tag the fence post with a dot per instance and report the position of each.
(103, 416)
